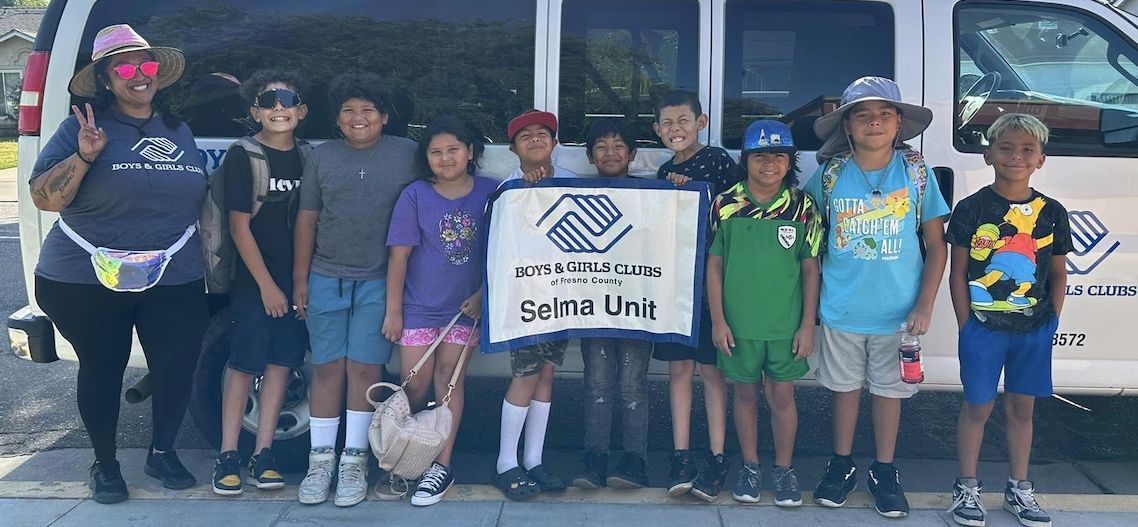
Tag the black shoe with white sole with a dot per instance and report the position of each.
(433, 485)
(837, 483)
(888, 496)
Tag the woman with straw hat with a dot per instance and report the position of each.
(128, 184)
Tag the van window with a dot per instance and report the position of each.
(785, 58)
(1064, 66)
(438, 55)
(618, 57)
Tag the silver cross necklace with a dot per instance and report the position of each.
(373, 147)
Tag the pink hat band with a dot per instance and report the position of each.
(115, 38)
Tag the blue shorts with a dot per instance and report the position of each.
(1024, 358)
(345, 318)
(256, 339)
(1015, 266)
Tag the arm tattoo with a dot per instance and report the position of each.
(57, 181)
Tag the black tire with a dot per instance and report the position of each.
(205, 402)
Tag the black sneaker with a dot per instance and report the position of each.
(263, 471)
(167, 467)
(629, 473)
(433, 485)
(593, 475)
(888, 496)
(967, 507)
(682, 474)
(106, 483)
(706, 485)
(837, 483)
(227, 474)
(1020, 500)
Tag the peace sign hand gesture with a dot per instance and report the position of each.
(92, 140)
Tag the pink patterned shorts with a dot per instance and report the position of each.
(426, 336)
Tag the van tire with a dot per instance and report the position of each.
(291, 450)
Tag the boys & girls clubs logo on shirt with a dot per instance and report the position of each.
(160, 153)
(1093, 243)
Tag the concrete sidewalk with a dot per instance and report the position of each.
(8, 184)
(49, 488)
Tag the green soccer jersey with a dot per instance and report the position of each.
(762, 246)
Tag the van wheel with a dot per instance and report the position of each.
(291, 441)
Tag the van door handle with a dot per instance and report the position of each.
(944, 178)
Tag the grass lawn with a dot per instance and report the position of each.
(7, 152)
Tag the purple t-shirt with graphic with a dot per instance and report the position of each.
(446, 264)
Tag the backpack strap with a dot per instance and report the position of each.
(918, 175)
(833, 167)
(259, 166)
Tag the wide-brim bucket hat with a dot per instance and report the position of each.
(121, 38)
(914, 119)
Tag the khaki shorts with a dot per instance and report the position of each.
(850, 361)
(529, 360)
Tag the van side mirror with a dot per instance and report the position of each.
(1119, 128)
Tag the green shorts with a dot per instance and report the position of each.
(751, 359)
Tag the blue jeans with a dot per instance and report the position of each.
(623, 362)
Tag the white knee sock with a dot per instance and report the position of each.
(324, 431)
(513, 419)
(536, 421)
(355, 433)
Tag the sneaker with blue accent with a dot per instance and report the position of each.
(967, 507)
(747, 484)
(1019, 499)
(786, 490)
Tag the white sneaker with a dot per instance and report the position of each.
(351, 485)
(314, 487)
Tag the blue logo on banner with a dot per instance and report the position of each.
(1087, 234)
(584, 223)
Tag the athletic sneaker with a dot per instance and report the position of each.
(786, 490)
(436, 481)
(967, 507)
(706, 485)
(747, 483)
(351, 481)
(594, 474)
(106, 483)
(227, 474)
(682, 474)
(1020, 500)
(885, 486)
(263, 471)
(314, 488)
(629, 474)
(837, 483)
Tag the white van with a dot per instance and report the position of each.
(1072, 63)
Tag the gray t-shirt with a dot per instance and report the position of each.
(354, 191)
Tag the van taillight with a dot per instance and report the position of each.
(31, 98)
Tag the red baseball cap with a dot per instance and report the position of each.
(529, 117)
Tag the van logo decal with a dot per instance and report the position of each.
(1091, 240)
(158, 149)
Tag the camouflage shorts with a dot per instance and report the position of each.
(529, 360)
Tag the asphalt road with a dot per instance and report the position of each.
(37, 409)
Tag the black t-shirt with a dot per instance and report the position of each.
(711, 164)
(271, 226)
(1010, 248)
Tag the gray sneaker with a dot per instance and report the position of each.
(786, 490)
(747, 483)
(314, 488)
(967, 507)
(351, 483)
(1020, 500)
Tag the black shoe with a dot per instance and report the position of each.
(106, 483)
(263, 471)
(837, 483)
(227, 474)
(888, 496)
(629, 473)
(546, 480)
(706, 485)
(682, 474)
(596, 469)
(167, 467)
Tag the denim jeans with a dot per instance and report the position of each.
(624, 363)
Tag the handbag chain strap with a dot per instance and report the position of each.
(431, 350)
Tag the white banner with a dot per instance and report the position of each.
(594, 257)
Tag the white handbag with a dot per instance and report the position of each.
(404, 443)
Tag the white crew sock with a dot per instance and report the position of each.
(355, 433)
(536, 422)
(513, 419)
(323, 431)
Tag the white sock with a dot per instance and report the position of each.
(323, 431)
(355, 433)
(536, 422)
(513, 419)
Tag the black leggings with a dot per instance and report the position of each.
(170, 321)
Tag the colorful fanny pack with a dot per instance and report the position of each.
(128, 271)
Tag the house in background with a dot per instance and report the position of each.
(18, 26)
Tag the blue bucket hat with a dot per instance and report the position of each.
(914, 118)
(768, 136)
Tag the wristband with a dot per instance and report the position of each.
(80, 156)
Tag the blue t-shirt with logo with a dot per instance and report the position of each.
(140, 194)
(871, 269)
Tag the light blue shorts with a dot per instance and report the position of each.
(345, 318)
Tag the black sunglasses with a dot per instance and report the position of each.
(268, 99)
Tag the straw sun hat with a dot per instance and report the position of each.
(121, 38)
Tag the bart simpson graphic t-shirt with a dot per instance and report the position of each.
(871, 270)
(1010, 245)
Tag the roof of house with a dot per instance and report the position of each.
(22, 21)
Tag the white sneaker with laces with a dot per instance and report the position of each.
(351, 482)
(433, 485)
(314, 488)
